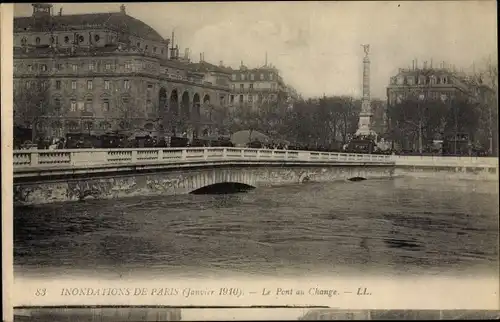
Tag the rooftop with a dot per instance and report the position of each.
(117, 21)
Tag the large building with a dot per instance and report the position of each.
(108, 71)
(447, 85)
(432, 83)
(258, 86)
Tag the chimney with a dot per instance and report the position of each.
(122, 9)
(221, 64)
(201, 57)
(413, 64)
(60, 11)
(416, 63)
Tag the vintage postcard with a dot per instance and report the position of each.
(236, 160)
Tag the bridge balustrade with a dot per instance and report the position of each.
(91, 157)
(451, 161)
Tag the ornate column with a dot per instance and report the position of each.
(365, 116)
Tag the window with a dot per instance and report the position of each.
(252, 77)
(59, 66)
(242, 86)
(150, 87)
(261, 76)
(443, 80)
(73, 84)
(149, 106)
(242, 76)
(28, 85)
(241, 98)
(108, 66)
(400, 80)
(251, 86)
(88, 105)
(44, 85)
(89, 85)
(154, 49)
(231, 98)
(43, 68)
(66, 39)
(57, 105)
(106, 84)
(250, 98)
(75, 67)
(73, 106)
(37, 40)
(128, 65)
(138, 45)
(97, 38)
(105, 105)
(23, 41)
(91, 66)
(409, 80)
(233, 77)
(146, 47)
(125, 100)
(126, 84)
(58, 84)
(271, 76)
(30, 68)
(163, 50)
(232, 86)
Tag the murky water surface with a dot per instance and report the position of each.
(401, 226)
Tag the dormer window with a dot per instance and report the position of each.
(444, 80)
(37, 40)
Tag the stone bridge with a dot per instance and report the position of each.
(42, 176)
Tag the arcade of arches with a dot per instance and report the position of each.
(182, 115)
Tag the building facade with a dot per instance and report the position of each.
(108, 71)
(446, 85)
(256, 87)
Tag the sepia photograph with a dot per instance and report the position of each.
(157, 143)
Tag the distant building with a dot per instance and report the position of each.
(99, 72)
(433, 83)
(257, 86)
(438, 83)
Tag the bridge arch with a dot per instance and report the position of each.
(223, 188)
(227, 179)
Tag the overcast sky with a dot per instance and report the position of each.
(316, 45)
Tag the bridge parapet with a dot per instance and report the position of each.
(91, 157)
(445, 161)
